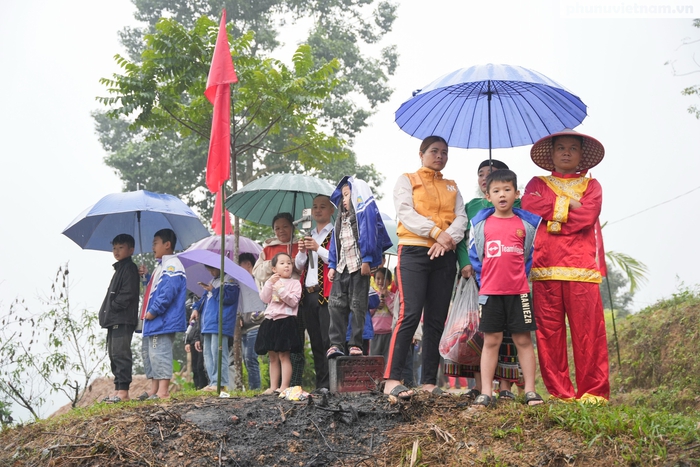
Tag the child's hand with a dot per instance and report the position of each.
(143, 270)
(198, 346)
(194, 315)
(275, 278)
(573, 204)
(207, 287)
(149, 316)
(331, 274)
(365, 270)
(187, 348)
(277, 286)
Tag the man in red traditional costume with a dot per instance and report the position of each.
(568, 266)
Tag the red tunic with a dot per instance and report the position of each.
(570, 255)
(565, 277)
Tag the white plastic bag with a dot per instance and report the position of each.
(461, 340)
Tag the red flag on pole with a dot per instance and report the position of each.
(216, 217)
(221, 75)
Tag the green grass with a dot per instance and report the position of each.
(641, 435)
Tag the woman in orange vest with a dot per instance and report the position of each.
(432, 221)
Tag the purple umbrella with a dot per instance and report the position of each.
(213, 243)
(194, 262)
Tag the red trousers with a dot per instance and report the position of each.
(581, 303)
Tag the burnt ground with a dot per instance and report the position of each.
(366, 430)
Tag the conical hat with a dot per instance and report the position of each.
(592, 151)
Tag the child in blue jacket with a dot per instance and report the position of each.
(207, 310)
(164, 314)
(357, 245)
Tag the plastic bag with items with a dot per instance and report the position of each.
(461, 340)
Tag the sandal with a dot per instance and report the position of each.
(355, 351)
(112, 400)
(532, 396)
(143, 396)
(506, 395)
(399, 389)
(472, 394)
(334, 352)
(484, 401)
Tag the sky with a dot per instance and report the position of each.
(54, 53)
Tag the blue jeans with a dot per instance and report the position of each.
(250, 358)
(210, 343)
(157, 353)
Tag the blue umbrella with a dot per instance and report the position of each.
(136, 213)
(490, 106)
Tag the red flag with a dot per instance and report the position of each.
(216, 217)
(221, 75)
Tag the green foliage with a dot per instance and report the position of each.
(641, 436)
(55, 351)
(634, 269)
(622, 296)
(659, 348)
(156, 130)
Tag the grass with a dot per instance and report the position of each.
(641, 435)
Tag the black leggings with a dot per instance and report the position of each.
(425, 287)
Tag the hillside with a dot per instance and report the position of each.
(652, 420)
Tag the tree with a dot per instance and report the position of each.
(690, 90)
(138, 151)
(622, 296)
(59, 353)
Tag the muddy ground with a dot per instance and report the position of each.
(366, 430)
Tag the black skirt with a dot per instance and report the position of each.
(278, 335)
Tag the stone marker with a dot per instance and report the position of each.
(355, 374)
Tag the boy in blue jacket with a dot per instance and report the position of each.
(500, 248)
(164, 314)
(357, 245)
(207, 310)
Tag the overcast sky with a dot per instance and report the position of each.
(53, 54)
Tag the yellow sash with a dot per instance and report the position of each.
(565, 189)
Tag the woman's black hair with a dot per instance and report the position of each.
(283, 215)
(430, 140)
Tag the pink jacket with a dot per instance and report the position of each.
(284, 302)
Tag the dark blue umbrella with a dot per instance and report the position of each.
(138, 213)
(490, 106)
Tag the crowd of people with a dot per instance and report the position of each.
(332, 286)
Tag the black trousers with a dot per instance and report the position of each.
(119, 351)
(425, 288)
(200, 377)
(348, 300)
(317, 322)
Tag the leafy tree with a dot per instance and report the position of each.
(140, 148)
(56, 351)
(622, 296)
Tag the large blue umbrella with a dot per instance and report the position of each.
(138, 213)
(490, 106)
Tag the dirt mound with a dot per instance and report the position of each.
(332, 431)
(103, 387)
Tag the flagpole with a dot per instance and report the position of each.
(221, 290)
